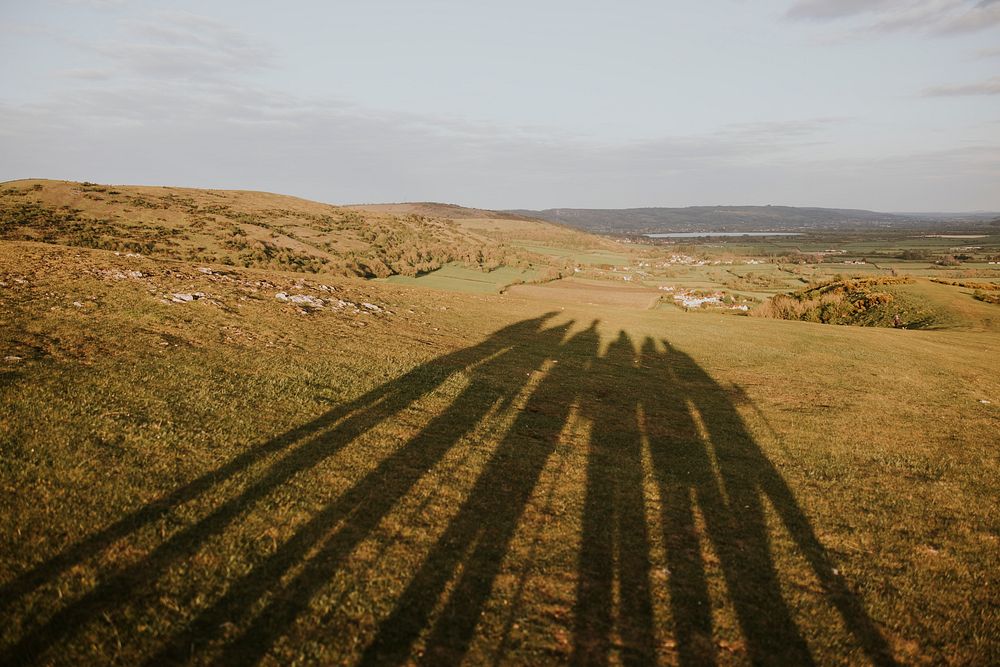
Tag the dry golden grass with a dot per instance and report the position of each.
(261, 230)
(570, 291)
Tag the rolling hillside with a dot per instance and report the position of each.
(285, 470)
(214, 456)
(497, 225)
(263, 230)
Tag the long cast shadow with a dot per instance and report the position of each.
(354, 514)
(738, 530)
(681, 469)
(388, 398)
(476, 541)
(705, 465)
(120, 587)
(654, 405)
(705, 461)
(615, 545)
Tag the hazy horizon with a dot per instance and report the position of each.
(888, 106)
(521, 208)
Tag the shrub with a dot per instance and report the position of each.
(987, 298)
(839, 301)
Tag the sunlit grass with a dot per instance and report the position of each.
(465, 476)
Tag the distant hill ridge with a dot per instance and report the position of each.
(741, 218)
(440, 210)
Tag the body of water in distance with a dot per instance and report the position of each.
(691, 235)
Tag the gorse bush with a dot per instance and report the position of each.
(986, 297)
(841, 301)
(29, 221)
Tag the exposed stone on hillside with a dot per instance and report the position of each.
(183, 297)
(300, 299)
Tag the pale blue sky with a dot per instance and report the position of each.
(883, 104)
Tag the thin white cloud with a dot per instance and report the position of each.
(234, 135)
(182, 100)
(228, 135)
(941, 17)
(832, 9)
(95, 4)
(988, 87)
(184, 46)
(85, 73)
(988, 53)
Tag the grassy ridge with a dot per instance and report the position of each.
(262, 230)
(240, 477)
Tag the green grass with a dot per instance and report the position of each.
(458, 278)
(588, 257)
(469, 476)
(953, 307)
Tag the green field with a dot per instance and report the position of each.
(458, 278)
(575, 255)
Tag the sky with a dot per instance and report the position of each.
(888, 105)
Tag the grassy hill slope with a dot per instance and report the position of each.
(263, 230)
(502, 226)
(293, 468)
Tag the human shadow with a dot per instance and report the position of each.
(615, 545)
(659, 423)
(476, 540)
(298, 449)
(713, 464)
(356, 512)
(712, 482)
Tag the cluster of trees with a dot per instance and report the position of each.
(407, 245)
(264, 254)
(415, 245)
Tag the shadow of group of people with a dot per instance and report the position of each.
(658, 421)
